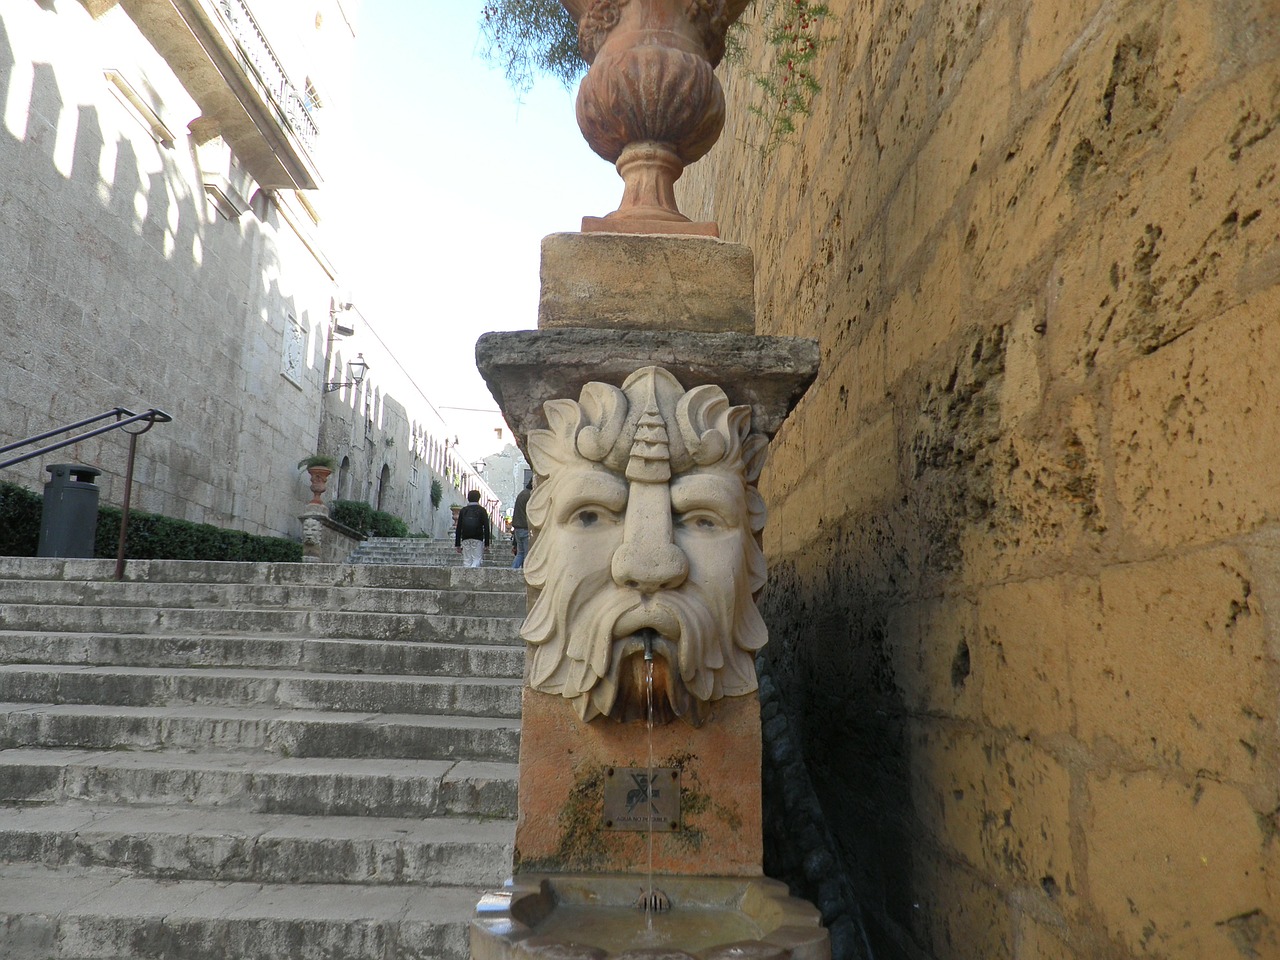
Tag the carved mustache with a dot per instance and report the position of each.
(651, 615)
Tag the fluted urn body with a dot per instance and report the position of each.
(651, 103)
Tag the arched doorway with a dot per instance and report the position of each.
(384, 482)
(344, 479)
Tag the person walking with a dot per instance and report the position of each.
(520, 525)
(471, 536)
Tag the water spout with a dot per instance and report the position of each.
(649, 901)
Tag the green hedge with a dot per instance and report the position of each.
(355, 514)
(19, 521)
(385, 525)
(365, 520)
(151, 537)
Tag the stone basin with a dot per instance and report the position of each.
(592, 917)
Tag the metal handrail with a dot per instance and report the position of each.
(124, 418)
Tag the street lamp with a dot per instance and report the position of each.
(356, 369)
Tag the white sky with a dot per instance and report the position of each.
(449, 182)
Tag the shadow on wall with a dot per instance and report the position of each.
(130, 292)
(848, 798)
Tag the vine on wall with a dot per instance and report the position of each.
(792, 34)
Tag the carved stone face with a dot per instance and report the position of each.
(646, 516)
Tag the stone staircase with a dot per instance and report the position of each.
(411, 551)
(253, 761)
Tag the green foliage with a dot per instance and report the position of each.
(531, 37)
(19, 521)
(365, 520)
(382, 524)
(151, 537)
(437, 493)
(317, 460)
(787, 80)
(355, 514)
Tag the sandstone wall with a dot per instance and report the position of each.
(1024, 537)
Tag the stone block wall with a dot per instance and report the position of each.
(1024, 537)
(121, 285)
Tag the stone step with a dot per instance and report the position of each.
(443, 546)
(208, 571)
(493, 560)
(241, 761)
(428, 553)
(288, 733)
(327, 656)
(296, 690)
(228, 596)
(297, 785)
(78, 914)
(173, 843)
(498, 557)
(64, 618)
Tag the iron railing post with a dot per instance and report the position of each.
(128, 496)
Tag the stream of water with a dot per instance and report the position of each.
(649, 901)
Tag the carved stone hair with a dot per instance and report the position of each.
(611, 426)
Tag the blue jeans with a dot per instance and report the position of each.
(522, 547)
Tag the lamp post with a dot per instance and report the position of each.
(356, 369)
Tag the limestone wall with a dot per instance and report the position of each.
(1024, 549)
(121, 284)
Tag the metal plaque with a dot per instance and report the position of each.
(639, 798)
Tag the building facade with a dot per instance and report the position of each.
(506, 471)
(162, 246)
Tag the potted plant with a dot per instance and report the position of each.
(319, 466)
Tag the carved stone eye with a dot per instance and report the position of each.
(586, 517)
(701, 521)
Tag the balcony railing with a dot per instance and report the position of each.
(257, 51)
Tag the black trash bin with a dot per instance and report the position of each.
(70, 515)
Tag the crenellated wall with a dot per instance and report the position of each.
(122, 283)
(1024, 538)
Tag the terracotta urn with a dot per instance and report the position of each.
(319, 479)
(651, 103)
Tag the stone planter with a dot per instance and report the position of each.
(319, 480)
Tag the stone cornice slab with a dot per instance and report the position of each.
(523, 369)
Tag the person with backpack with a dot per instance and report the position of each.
(520, 526)
(471, 536)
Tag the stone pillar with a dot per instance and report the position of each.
(614, 309)
(313, 533)
(324, 540)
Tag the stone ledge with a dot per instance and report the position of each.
(525, 368)
(650, 282)
(324, 540)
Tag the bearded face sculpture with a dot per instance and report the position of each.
(647, 521)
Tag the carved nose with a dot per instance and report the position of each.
(649, 566)
(648, 559)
